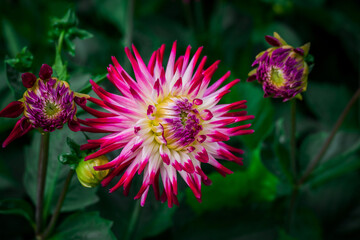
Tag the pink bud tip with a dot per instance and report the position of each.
(45, 72)
(28, 79)
(273, 41)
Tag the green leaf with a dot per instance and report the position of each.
(344, 143)
(84, 226)
(65, 28)
(161, 219)
(98, 79)
(263, 183)
(68, 20)
(60, 69)
(23, 60)
(77, 197)
(69, 159)
(74, 147)
(335, 168)
(340, 158)
(258, 106)
(216, 196)
(14, 67)
(336, 96)
(275, 155)
(74, 157)
(255, 184)
(80, 33)
(333, 200)
(18, 207)
(69, 45)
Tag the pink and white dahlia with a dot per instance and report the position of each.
(167, 122)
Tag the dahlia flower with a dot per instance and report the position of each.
(167, 122)
(47, 104)
(282, 69)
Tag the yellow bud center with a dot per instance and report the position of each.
(51, 109)
(277, 77)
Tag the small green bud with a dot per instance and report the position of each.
(87, 175)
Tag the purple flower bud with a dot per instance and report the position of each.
(28, 79)
(45, 72)
(282, 69)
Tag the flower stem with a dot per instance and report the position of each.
(60, 43)
(43, 162)
(59, 204)
(133, 221)
(318, 157)
(292, 208)
(293, 138)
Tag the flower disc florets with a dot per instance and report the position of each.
(167, 123)
(282, 69)
(179, 121)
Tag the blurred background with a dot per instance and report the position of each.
(255, 201)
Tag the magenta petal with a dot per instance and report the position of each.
(13, 110)
(251, 78)
(45, 72)
(273, 41)
(74, 125)
(80, 101)
(299, 51)
(21, 128)
(28, 79)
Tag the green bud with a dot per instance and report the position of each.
(87, 175)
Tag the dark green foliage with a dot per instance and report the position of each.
(252, 203)
(77, 197)
(83, 226)
(66, 30)
(74, 156)
(18, 207)
(14, 68)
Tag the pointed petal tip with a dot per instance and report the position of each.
(273, 41)
(12, 110)
(28, 79)
(45, 72)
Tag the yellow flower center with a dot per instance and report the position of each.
(175, 122)
(277, 78)
(51, 109)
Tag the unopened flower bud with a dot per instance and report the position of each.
(282, 69)
(87, 175)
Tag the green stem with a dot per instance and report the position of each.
(293, 138)
(60, 43)
(59, 204)
(292, 208)
(133, 221)
(318, 157)
(43, 162)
